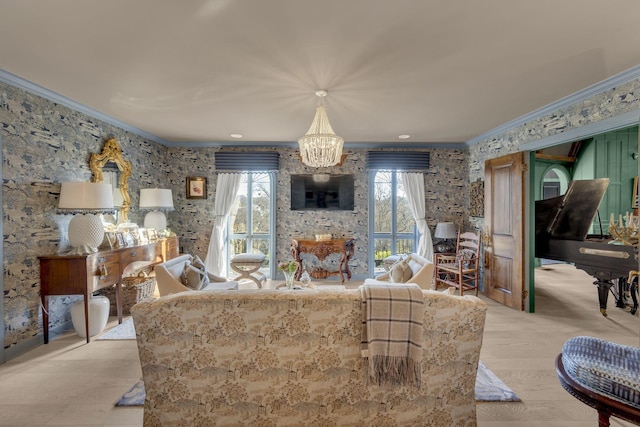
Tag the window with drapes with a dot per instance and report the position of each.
(391, 223)
(252, 219)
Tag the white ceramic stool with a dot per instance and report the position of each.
(98, 315)
(248, 265)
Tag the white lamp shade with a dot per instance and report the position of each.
(445, 230)
(83, 197)
(156, 198)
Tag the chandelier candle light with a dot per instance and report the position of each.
(320, 146)
(156, 200)
(86, 201)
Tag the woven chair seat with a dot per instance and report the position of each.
(602, 374)
(604, 367)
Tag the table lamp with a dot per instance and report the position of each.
(446, 231)
(156, 200)
(86, 201)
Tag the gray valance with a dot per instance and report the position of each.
(406, 161)
(247, 161)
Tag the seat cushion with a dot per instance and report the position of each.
(240, 258)
(604, 367)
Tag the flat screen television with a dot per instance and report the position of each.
(322, 191)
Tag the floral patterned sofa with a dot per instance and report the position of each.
(292, 358)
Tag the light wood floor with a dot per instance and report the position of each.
(70, 383)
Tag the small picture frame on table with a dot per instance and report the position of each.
(120, 243)
(153, 234)
(129, 240)
(196, 187)
(143, 236)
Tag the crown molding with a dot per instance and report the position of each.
(607, 84)
(43, 92)
(620, 121)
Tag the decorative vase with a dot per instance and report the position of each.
(98, 315)
(288, 278)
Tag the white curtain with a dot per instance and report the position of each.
(226, 191)
(414, 186)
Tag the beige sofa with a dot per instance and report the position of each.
(169, 277)
(292, 358)
(421, 272)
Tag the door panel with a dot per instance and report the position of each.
(504, 230)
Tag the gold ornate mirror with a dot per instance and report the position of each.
(111, 152)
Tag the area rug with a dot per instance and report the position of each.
(489, 388)
(124, 331)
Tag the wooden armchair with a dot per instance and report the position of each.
(460, 270)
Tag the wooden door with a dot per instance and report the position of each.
(504, 230)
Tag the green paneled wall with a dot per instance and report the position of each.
(613, 155)
(609, 155)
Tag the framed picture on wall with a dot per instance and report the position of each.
(196, 187)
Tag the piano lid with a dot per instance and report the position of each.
(570, 216)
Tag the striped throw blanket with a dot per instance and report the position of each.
(392, 317)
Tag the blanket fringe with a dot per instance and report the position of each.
(393, 371)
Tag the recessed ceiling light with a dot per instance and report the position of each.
(236, 135)
(404, 136)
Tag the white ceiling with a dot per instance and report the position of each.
(197, 71)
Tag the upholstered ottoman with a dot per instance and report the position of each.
(602, 374)
(248, 265)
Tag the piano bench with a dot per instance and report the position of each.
(603, 375)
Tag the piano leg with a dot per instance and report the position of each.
(634, 295)
(603, 294)
(620, 296)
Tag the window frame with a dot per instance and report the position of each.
(249, 235)
(393, 235)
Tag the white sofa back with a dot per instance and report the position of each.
(421, 269)
(169, 277)
(278, 357)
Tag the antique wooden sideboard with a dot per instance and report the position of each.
(322, 249)
(85, 274)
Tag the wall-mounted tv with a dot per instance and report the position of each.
(322, 191)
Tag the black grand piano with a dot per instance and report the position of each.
(562, 226)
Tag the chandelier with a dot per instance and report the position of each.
(320, 146)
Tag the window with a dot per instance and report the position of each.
(251, 221)
(391, 223)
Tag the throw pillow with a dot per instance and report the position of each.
(194, 277)
(464, 256)
(197, 263)
(400, 272)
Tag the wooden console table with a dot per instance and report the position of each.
(322, 249)
(85, 274)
